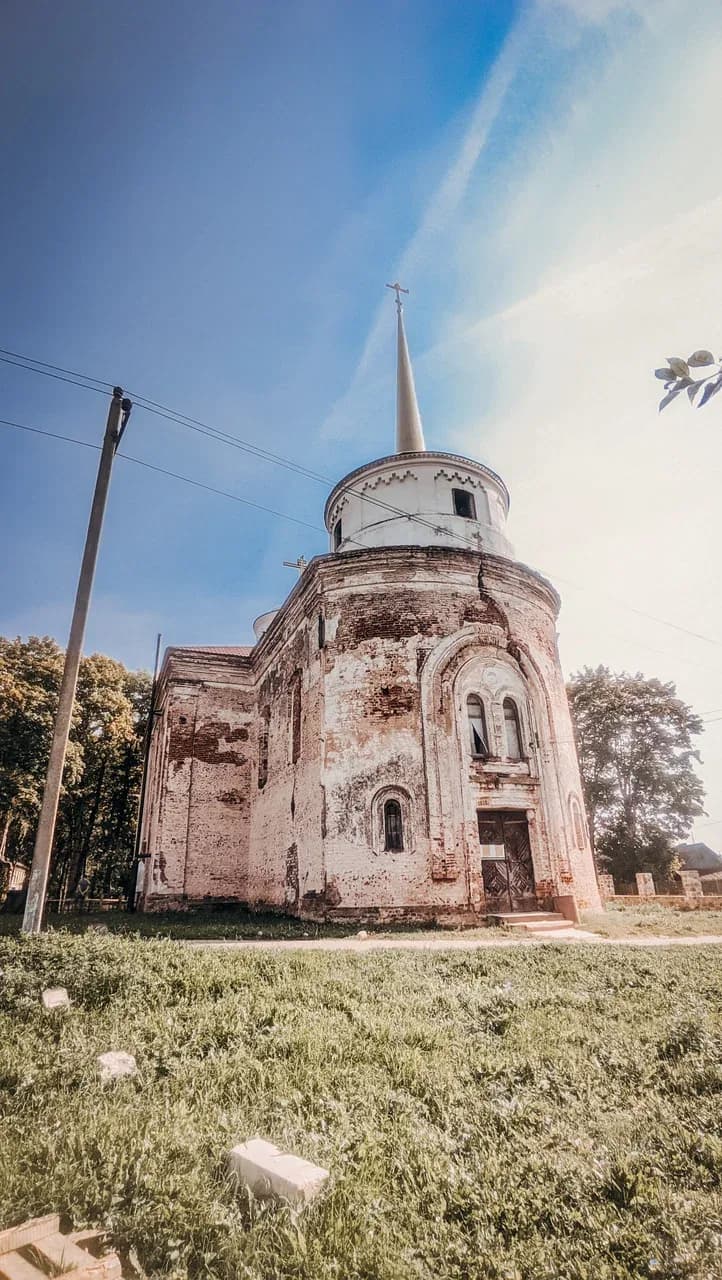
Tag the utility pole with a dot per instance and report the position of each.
(137, 851)
(118, 415)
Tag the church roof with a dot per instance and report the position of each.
(230, 650)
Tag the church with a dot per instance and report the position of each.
(397, 744)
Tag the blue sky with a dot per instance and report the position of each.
(204, 205)
(204, 202)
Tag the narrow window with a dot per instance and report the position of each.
(477, 726)
(263, 749)
(321, 631)
(337, 535)
(464, 504)
(577, 823)
(296, 718)
(393, 826)
(512, 733)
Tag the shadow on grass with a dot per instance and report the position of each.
(229, 924)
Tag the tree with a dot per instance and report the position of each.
(30, 673)
(634, 738)
(101, 782)
(677, 378)
(96, 818)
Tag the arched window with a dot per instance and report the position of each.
(477, 726)
(512, 730)
(393, 826)
(577, 822)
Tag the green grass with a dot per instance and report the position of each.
(535, 1114)
(626, 920)
(235, 924)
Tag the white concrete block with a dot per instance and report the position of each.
(116, 1064)
(274, 1174)
(362, 933)
(55, 998)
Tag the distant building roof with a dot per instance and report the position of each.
(699, 857)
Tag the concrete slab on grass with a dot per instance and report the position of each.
(55, 998)
(116, 1064)
(273, 1174)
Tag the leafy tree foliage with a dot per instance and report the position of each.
(637, 760)
(98, 806)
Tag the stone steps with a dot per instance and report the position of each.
(531, 921)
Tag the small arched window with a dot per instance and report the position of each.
(512, 730)
(393, 826)
(577, 822)
(478, 736)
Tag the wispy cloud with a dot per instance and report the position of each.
(578, 257)
(444, 204)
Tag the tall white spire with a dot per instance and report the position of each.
(409, 431)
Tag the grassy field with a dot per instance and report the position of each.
(549, 1113)
(624, 920)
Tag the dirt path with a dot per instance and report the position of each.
(450, 943)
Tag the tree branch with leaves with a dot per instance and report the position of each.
(677, 377)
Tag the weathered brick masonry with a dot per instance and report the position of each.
(379, 648)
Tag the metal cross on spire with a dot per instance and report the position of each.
(399, 290)
(299, 564)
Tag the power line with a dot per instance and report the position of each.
(223, 437)
(53, 435)
(5, 422)
(46, 373)
(194, 424)
(664, 622)
(57, 367)
(150, 466)
(203, 428)
(222, 492)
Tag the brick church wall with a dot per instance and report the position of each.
(356, 684)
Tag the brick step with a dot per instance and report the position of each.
(544, 926)
(522, 917)
(531, 921)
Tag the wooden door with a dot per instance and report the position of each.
(506, 862)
